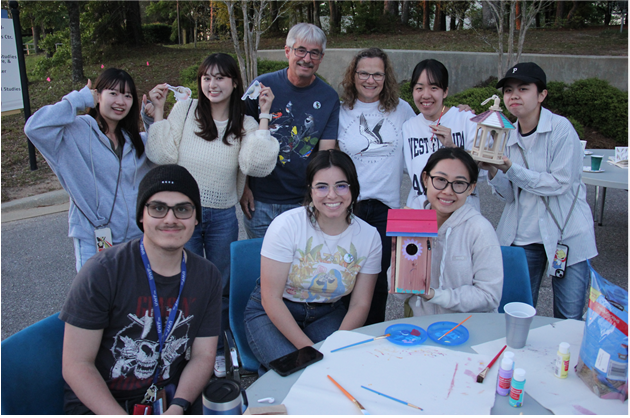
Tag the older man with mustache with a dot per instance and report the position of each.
(304, 118)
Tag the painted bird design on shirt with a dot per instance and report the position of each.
(373, 135)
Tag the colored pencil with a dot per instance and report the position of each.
(392, 398)
(361, 342)
(451, 330)
(482, 375)
(345, 392)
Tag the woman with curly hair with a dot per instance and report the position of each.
(370, 132)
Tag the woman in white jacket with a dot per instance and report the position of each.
(466, 261)
(219, 145)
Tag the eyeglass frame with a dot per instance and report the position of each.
(373, 75)
(168, 208)
(449, 183)
(334, 187)
(310, 53)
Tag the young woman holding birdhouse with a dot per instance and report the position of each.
(540, 182)
(466, 261)
(312, 256)
(437, 126)
(213, 138)
(98, 157)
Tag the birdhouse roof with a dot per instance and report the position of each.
(493, 118)
(411, 223)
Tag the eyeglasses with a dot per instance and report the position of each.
(301, 53)
(366, 76)
(160, 210)
(440, 183)
(322, 190)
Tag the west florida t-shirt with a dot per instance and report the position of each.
(374, 141)
(323, 267)
(420, 143)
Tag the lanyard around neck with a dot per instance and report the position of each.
(157, 315)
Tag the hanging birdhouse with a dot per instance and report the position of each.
(412, 233)
(493, 131)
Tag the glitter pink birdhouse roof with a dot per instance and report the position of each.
(411, 223)
(494, 119)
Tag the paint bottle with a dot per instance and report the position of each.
(517, 392)
(505, 377)
(562, 361)
(510, 355)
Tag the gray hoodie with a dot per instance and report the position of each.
(466, 267)
(82, 158)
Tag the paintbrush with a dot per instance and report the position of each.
(361, 342)
(482, 375)
(345, 392)
(452, 329)
(392, 398)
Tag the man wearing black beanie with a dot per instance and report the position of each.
(143, 317)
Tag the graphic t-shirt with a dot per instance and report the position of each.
(420, 143)
(323, 267)
(374, 141)
(111, 292)
(301, 117)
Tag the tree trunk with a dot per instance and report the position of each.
(453, 23)
(572, 11)
(559, 13)
(179, 32)
(404, 17)
(486, 13)
(442, 19)
(75, 41)
(390, 8)
(437, 19)
(35, 30)
(608, 13)
(195, 33)
(133, 24)
(518, 15)
(425, 15)
(335, 18)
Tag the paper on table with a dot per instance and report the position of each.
(439, 380)
(561, 396)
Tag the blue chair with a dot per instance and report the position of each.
(31, 369)
(244, 271)
(516, 284)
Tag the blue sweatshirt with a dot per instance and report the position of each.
(87, 167)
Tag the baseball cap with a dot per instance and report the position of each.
(528, 72)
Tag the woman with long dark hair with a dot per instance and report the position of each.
(312, 256)
(213, 138)
(98, 157)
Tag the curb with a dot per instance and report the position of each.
(57, 197)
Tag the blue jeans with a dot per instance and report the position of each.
(317, 320)
(262, 217)
(569, 292)
(83, 250)
(374, 212)
(218, 229)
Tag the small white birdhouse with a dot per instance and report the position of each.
(493, 131)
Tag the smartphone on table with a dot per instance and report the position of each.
(296, 360)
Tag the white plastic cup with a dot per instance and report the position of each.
(518, 318)
(583, 147)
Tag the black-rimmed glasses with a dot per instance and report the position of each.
(322, 190)
(440, 183)
(301, 53)
(160, 210)
(363, 75)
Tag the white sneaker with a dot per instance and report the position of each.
(219, 366)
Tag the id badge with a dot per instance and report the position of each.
(560, 260)
(142, 409)
(103, 237)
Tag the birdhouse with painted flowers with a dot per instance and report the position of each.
(493, 131)
(412, 232)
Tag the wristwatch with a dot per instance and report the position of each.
(264, 116)
(181, 402)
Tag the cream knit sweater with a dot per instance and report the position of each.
(219, 169)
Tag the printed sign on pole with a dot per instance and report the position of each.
(11, 84)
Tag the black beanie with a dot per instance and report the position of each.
(167, 178)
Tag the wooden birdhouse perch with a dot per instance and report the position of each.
(493, 131)
(412, 233)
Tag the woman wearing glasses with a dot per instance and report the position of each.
(312, 256)
(370, 132)
(466, 262)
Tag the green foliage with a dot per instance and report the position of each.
(269, 66)
(368, 17)
(156, 33)
(474, 97)
(60, 53)
(577, 126)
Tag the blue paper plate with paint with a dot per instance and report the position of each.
(406, 334)
(456, 337)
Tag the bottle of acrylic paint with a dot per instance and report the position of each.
(517, 392)
(505, 377)
(562, 361)
(510, 355)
